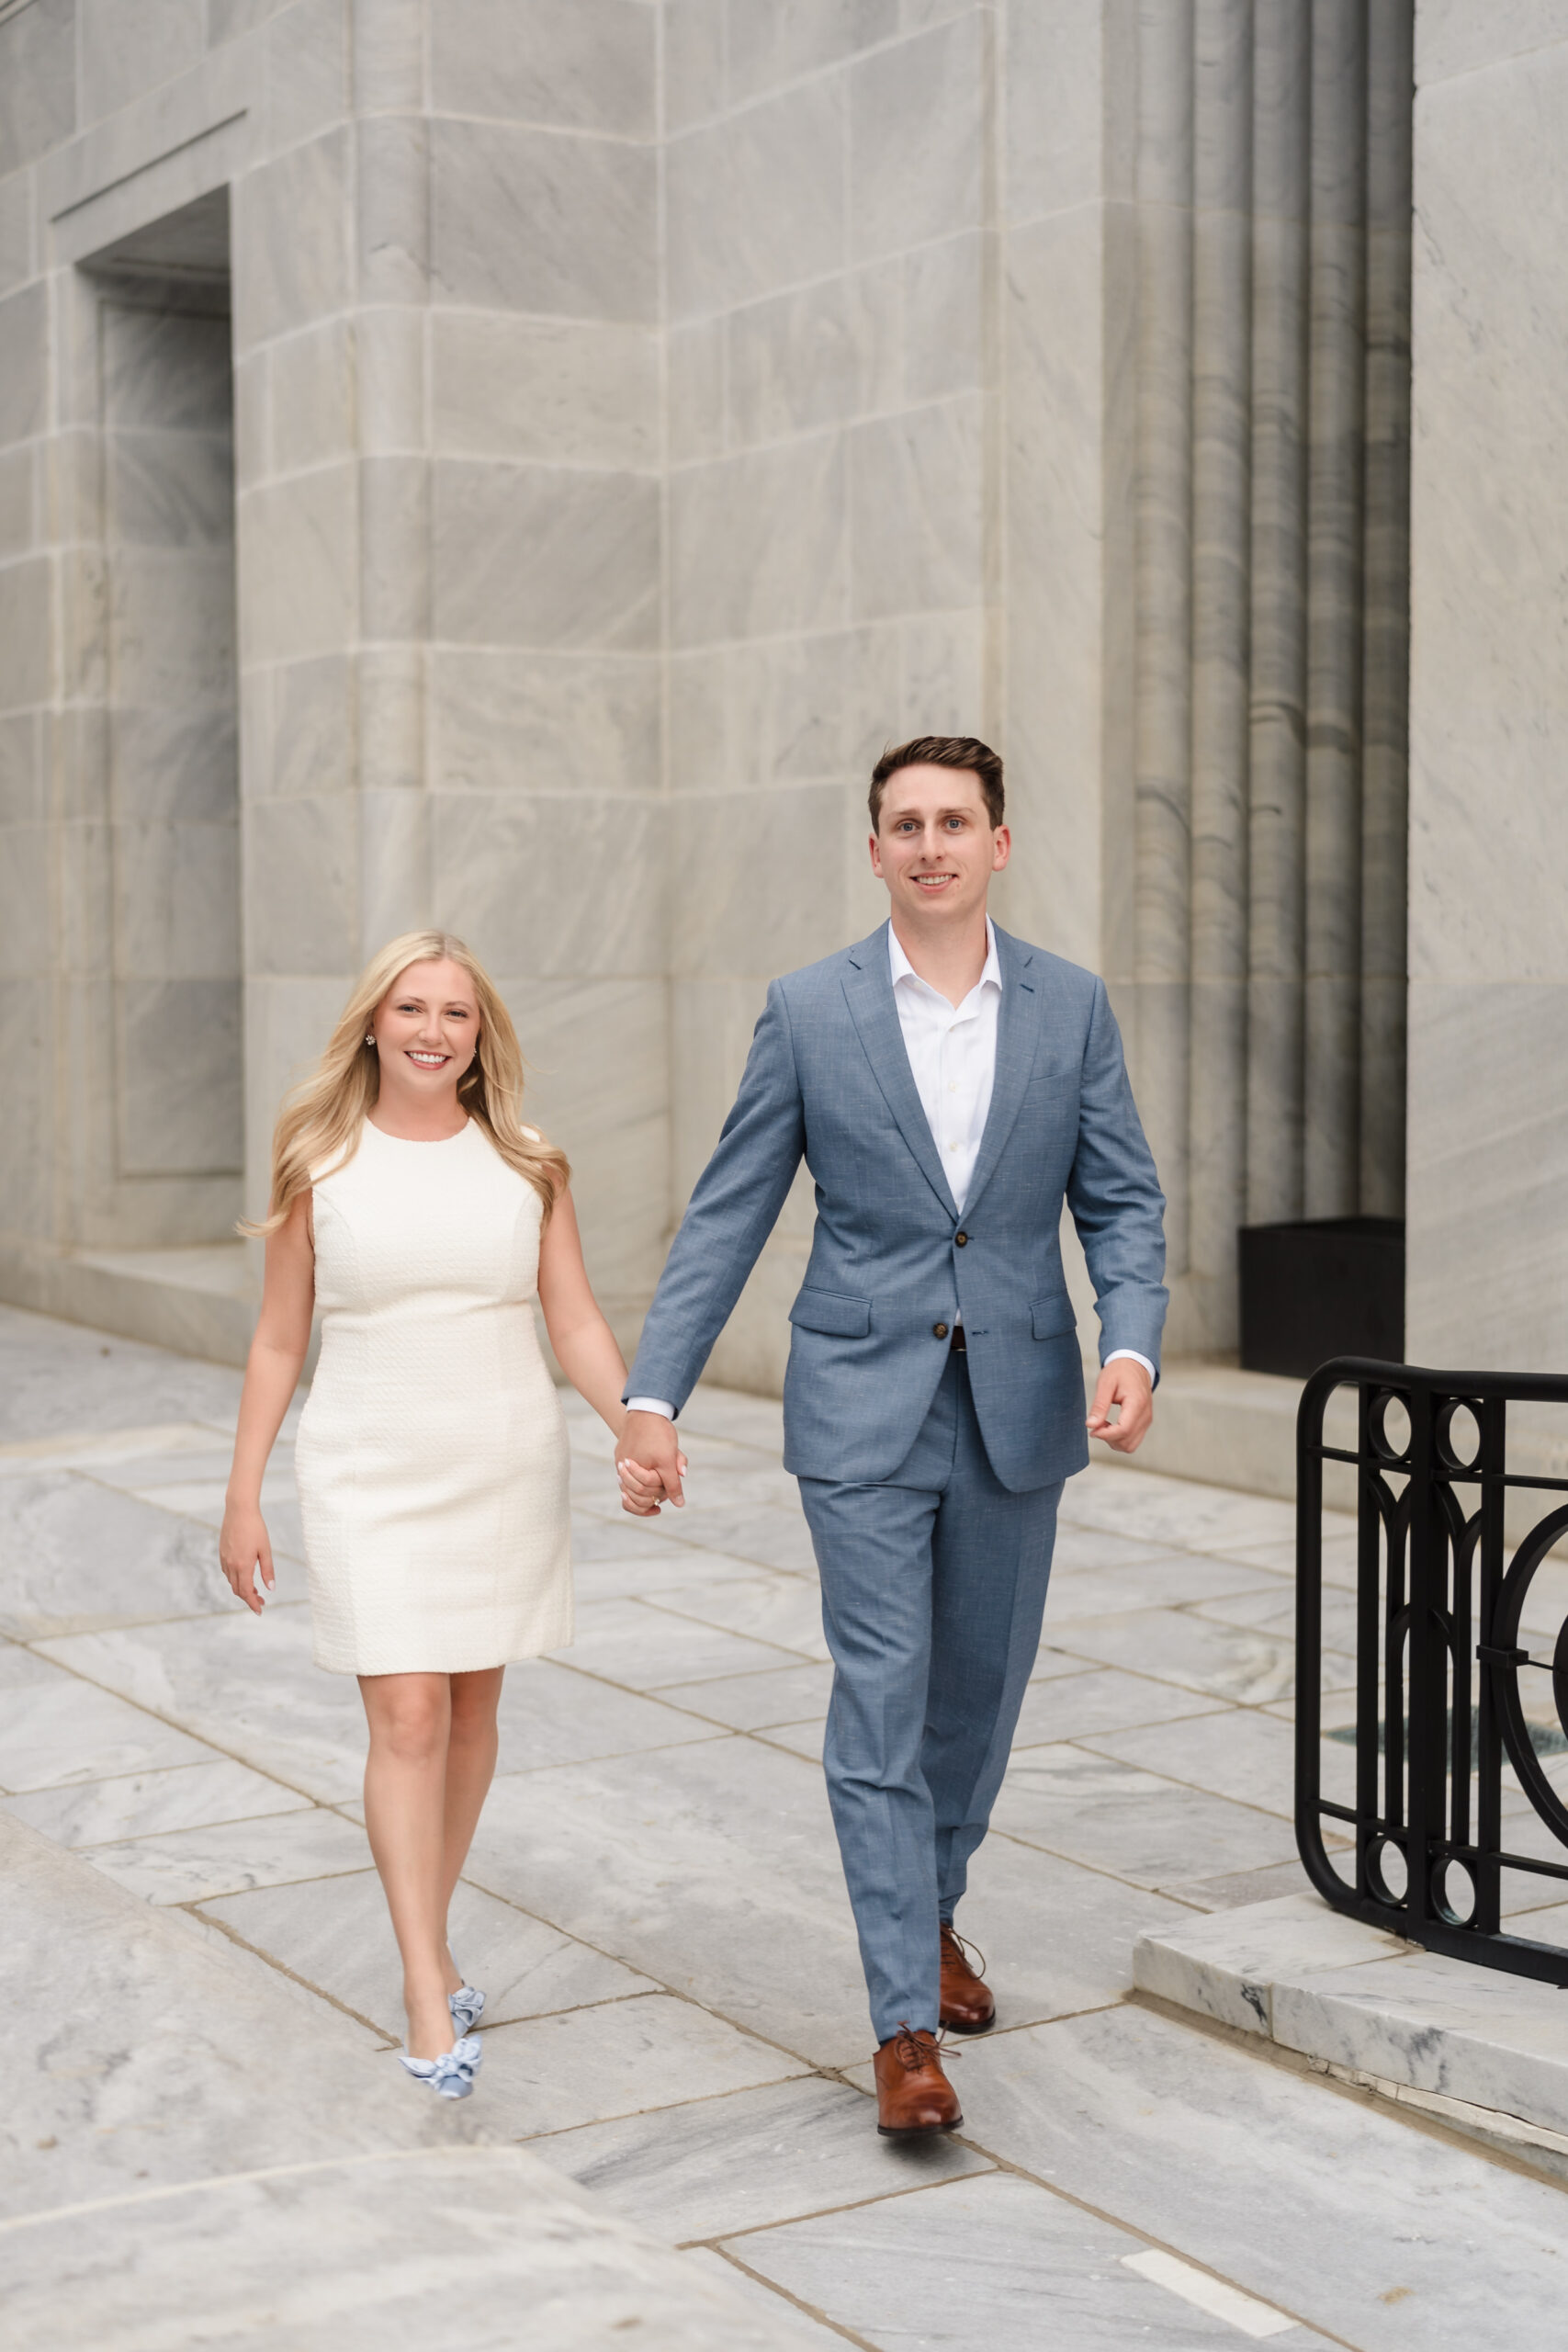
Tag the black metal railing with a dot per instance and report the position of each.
(1443, 1734)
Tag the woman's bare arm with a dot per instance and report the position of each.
(272, 1375)
(584, 1344)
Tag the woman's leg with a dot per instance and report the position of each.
(470, 1767)
(405, 1798)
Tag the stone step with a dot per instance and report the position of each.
(198, 2150)
(1477, 2048)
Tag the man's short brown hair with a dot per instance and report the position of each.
(964, 752)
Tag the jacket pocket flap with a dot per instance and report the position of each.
(832, 1311)
(1052, 1318)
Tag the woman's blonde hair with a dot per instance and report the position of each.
(320, 1123)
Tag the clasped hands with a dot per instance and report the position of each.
(651, 1466)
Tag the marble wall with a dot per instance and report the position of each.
(830, 265)
(635, 425)
(1489, 691)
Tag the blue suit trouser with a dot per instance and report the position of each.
(933, 1588)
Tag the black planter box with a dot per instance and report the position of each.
(1329, 1286)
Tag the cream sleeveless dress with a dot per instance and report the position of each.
(432, 1457)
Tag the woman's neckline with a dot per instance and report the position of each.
(422, 1143)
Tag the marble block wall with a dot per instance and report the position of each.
(644, 411)
(830, 276)
(448, 374)
(1488, 1135)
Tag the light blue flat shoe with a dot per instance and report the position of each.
(452, 2075)
(467, 2007)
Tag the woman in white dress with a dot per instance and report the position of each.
(413, 1208)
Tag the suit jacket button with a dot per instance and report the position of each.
(939, 1330)
(959, 1239)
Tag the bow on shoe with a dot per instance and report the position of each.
(452, 2075)
(467, 2007)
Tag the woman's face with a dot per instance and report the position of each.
(427, 1030)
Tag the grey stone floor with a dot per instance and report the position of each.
(654, 1906)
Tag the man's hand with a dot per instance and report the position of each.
(1125, 1383)
(650, 1464)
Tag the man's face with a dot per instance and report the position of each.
(936, 847)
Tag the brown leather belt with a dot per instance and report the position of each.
(960, 1346)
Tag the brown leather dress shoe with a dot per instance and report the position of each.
(913, 2094)
(966, 2003)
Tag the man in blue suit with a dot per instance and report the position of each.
(949, 1088)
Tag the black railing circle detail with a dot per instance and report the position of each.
(1391, 1456)
(1447, 1414)
(1440, 1710)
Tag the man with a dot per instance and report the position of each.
(948, 1087)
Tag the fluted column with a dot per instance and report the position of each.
(1273, 205)
(1277, 748)
(1386, 620)
(1337, 326)
(1221, 469)
(1163, 622)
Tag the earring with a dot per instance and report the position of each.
(370, 1036)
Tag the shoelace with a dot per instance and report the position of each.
(914, 2055)
(970, 1953)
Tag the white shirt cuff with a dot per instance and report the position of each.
(1110, 1358)
(657, 1404)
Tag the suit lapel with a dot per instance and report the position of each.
(868, 989)
(1017, 1035)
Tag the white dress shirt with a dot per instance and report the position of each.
(952, 1058)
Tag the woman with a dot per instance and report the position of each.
(410, 1205)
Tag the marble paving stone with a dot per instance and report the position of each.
(63, 1730)
(702, 2170)
(994, 2261)
(1134, 1824)
(1380, 2235)
(622, 2058)
(1235, 1890)
(1227, 1661)
(1078, 1705)
(801, 1739)
(783, 1610)
(1091, 1547)
(1170, 1581)
(548, 1715)
(650, 1571)
(333, 1933)
(764, 1534)
(1172, 1511)
(1052, 1665)
(160, 2074)
(192, 1865)
(245, 1685)
(631, 1642)
(1242, 1755)
(59, 1377)
(711, 1867)
(319, 2257)
(117, 1458)
(78, 1556)
(141, 1804)
(202, 1500)
(763, 2297)
(1225, 1967)
(789, 1695)
(1274, 1613)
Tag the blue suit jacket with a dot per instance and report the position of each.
(828, 1080)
